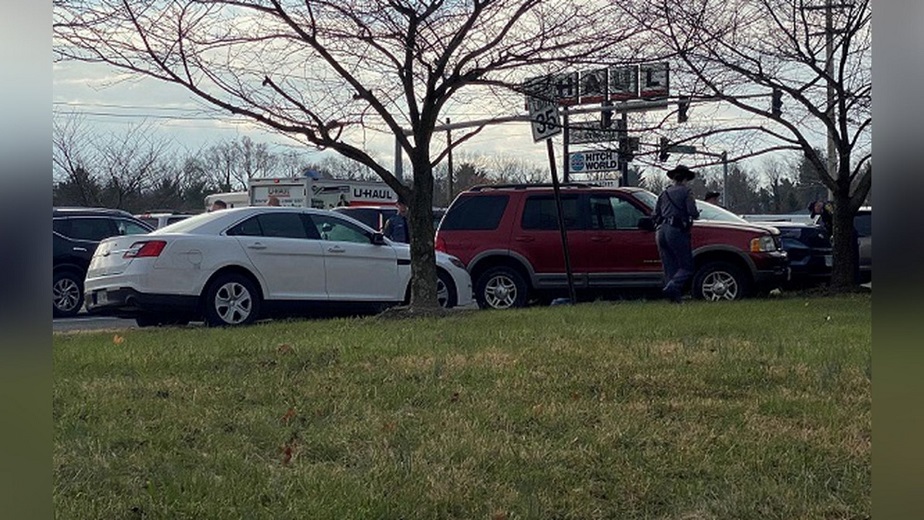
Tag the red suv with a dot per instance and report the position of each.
(508, 237)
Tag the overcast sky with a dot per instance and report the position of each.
(110, 101)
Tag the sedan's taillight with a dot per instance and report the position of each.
(439, 243)
(145, 248)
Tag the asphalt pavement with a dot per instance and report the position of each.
(87, 322)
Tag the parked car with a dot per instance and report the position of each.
(234, 266)
(508, 237)
(159, 219)
(375, 216)
(807, 245)
(75, 235)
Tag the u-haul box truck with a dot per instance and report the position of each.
(319, 193)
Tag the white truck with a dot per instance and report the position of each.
(308, 192)
(319, 193)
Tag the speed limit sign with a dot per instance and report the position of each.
(543, 108)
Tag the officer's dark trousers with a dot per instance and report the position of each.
(676, 258)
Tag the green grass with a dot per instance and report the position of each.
(750, 410)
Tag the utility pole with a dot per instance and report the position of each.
(829, 72)
(725, 178)
(624, 164)
(832, 163)
(449, 160)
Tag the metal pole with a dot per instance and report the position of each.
(449, 161)
(624, 165)
(725, 179)
(564, 146)
(561, 221)
(829, 72)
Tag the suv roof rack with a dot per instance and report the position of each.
(523, 186)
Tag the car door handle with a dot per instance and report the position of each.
(600, 239)
(525, 239)
(256, 245)
(336, 249)
(80, 249)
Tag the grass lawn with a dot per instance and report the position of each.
(750, 410)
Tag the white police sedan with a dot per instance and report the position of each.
(233, 266)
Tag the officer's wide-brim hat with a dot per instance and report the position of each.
(681, 173)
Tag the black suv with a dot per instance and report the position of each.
(75, 234)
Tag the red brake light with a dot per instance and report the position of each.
(440, 244)
(146, 248)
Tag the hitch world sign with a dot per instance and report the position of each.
(593, 161)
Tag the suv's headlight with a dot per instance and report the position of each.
(764, 244)
(456, 262)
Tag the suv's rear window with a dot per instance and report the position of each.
(476, 212)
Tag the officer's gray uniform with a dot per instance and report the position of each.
(674, 214)
(396, 229)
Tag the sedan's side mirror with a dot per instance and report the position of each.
(646, 223)
(378, 239)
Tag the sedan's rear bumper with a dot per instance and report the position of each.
(128, 302)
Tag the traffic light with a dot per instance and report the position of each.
(606, 116)
(776, 105)
(626, 150)
(663, 154)
(683, 105)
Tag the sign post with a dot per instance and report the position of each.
(543, 112)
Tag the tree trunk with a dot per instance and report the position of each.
(420, 218)
(843, 241)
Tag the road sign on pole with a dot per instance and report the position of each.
(542, 102)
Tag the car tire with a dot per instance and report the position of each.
(501, 288)
(446, 294)
(718, 281)
(231, 299)
(67, 293)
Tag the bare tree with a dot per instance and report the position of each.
(816, 56)
(131, 163)
(776, 170)
(328, 72)
(72, 157)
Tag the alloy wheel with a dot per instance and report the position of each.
(233, 303)
(66, 294)
(500, 292)
(720, 285)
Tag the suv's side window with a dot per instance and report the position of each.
(608, 212)
(540, 212)
(92, 229)
(475, 213)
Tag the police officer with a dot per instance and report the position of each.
(396, 227)
(674, 214)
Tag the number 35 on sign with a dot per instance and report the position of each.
(543, 113)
